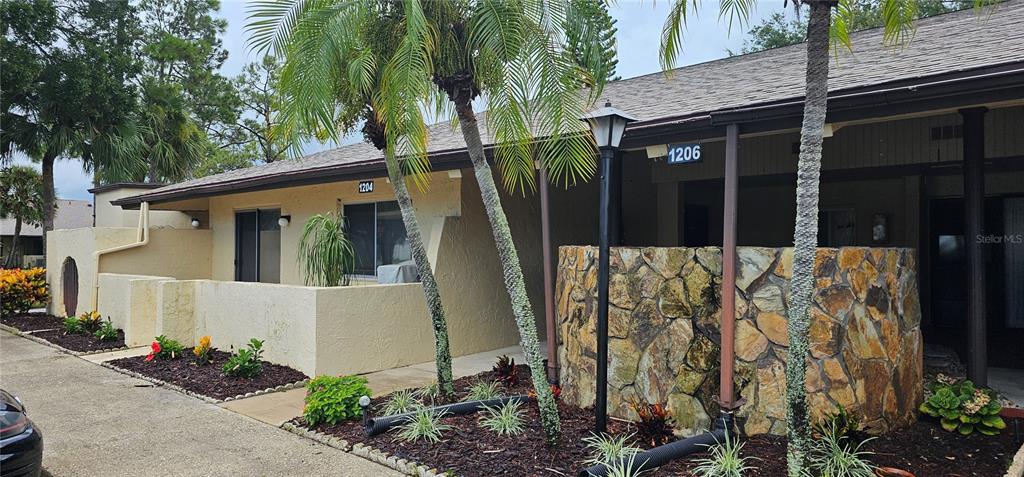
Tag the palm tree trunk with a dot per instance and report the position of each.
(442, 356)
(9, 263)
(513, 272)
(805, 236)
(49, 195)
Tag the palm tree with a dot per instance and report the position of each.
(898, 16)
(510, 53)
(21, 197)
(316, 98)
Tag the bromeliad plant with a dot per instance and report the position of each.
(247, 362)
(655, 425)
(962, 407)
(90, 321)
(505, 371)
(334, 399)
(202, 350)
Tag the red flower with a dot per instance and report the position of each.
(152, 354)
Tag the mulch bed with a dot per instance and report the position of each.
(207, 379)
(470, 451)
(51, 328)
(33, 321)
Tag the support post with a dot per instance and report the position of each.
(604, 239)
(726, 397)
(549, 302)
(974, 226)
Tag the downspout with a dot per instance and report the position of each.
(141, 239)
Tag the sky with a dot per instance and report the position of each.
(639, 34)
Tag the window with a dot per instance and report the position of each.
(377, 234)
(258, 246)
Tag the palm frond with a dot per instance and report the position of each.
(672, 32)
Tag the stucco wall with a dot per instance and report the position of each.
(664, 321)
(176, 253)
(130, 303)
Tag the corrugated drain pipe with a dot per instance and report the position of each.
(661, 455)
(141, 239)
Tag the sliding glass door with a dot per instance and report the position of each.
(258, 246)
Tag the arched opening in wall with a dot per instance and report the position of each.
(69, 286)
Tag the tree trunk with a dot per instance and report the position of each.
(9, 263)
(49, 195)
(152, 170)
(805, 236)
(442, 355)
(512, 271)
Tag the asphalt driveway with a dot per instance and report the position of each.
(98, 422)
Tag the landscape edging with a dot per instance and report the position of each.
(175, 387)
(364, 451)
(1017, 466)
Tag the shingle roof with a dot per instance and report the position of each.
(946, 43)
(71, 214)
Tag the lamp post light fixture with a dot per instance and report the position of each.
(607, 124)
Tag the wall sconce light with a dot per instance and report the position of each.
(195, 223)
(284, 220)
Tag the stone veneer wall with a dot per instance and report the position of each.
(664, 318)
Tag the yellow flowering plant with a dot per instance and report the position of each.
(202, 351)
(90, 321)
(21, 290)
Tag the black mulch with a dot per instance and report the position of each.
(469, 450)
(207, 379)
(51, 328)
(33, 321)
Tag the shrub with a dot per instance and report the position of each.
(426, 425)
(482, 391)
(836, 456)
(506, 371)
(106, 332)
(962, 407)
(723, 460)
(332, 399)
(506, 420)
(72, 325)
(655, 426)
(90, 321)
(20, 290)
(164, 348)
(605, 448)
(401, 402)
(846, 424)
(202, 350)
(247, 362)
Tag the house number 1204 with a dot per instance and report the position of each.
(683, 153)
(365, 186)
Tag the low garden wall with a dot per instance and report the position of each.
(664, 322)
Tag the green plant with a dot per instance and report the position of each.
(430, 392)
(72, 325)
(624, 467)
(90, 321)
(202, 350)
(833, 455)
(107, 332)
(426, 425)
(401, 402)
(167, 348)
(334, 399)
(505, 371)
(723, 460)
(246, 362)
(482, 391)
(20, 290)
(655, 425)
(327, 256)
(506, 420)
(606, 448)
(846, 424)
(962, 407)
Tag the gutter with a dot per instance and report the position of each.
(142, 238)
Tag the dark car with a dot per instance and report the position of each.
(21, 443)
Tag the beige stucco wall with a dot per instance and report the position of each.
(108, 215)
(130, 303)
(175, 253)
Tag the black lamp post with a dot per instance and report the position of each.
(607, 124)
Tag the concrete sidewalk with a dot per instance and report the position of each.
(98, 422)
(276, 408)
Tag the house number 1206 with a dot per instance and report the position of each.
(683, 153)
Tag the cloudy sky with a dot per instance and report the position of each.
(639, 25)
